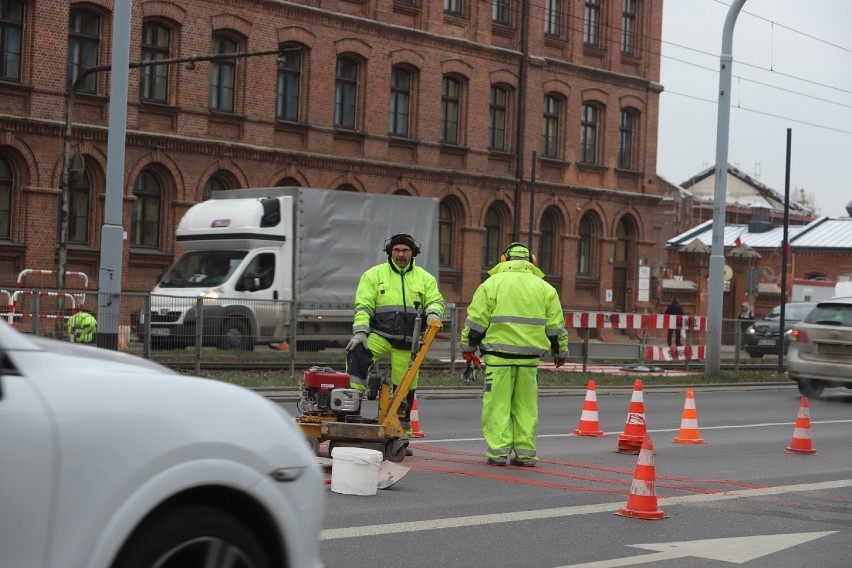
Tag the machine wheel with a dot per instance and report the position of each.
(810, 388)
(235, 336)
(395, 449)
(313, 444)
(192, 536)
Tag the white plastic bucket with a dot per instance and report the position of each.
(355, 471)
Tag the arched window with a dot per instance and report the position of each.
(288, 182)
(491, 240)
(154, 80)
(346, 93)
(446, 224)
(145, 213)
(622, 241)
(347, 187)
(289, 87)
(547, 242)
(400, 101)
(584, 248)
(84, 41)
(223, 74)
(215, 183)
(78, 209)
(7, 183)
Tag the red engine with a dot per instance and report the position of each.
(325, 390)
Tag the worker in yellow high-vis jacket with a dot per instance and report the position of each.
(81, 327)
(514, 319)
(387, 302)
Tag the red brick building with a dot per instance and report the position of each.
(447, 99)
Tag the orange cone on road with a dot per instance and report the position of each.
(801, 443)
(630, 441)
(416, 432)
(689, 422)
(642, 501)
(589, 418)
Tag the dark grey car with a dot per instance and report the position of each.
(761, 337)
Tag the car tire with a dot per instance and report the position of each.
(810, 388)
(192, 537)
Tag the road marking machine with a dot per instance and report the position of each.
(331, 411)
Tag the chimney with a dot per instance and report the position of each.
(759, 222)
(849, 208)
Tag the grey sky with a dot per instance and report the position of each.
(785, 75)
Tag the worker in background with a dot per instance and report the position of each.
(674, 309)
(514, 319)
(387, 302)
(81, 327)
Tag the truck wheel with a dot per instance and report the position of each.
(192, 537)
(235, 336)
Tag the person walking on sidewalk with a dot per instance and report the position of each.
(746, 318)
(389, 298)
(674, 309)
(514, 319)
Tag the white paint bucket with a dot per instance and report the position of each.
(355, 471)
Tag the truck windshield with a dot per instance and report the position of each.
(202, 268)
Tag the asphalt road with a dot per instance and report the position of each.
(739, 497)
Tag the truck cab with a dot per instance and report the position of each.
(230, 289)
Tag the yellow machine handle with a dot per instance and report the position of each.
(389, 405)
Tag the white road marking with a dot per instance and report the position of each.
(456, 522)
(736, 550)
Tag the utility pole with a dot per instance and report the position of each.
(716, 292)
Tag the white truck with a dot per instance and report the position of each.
(254, 254)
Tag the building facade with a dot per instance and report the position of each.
(480, 104)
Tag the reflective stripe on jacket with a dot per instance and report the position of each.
(516, 315)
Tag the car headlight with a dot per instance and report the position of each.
(211, 293)
(750, 331)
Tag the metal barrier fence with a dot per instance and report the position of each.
(217, 332)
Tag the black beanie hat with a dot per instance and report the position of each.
(403, 239)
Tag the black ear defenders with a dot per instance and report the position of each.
(517, 255)
(403, 239)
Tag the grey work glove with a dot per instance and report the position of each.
(359, 337)
(432, 317)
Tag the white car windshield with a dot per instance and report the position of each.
(202, 268)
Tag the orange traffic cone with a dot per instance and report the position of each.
(689, 422)
(642, 501)
(801, 443)
(589, 418)
(630, 441)
(416, 432)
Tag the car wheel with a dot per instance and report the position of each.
(192, 537)
(235, 336)
(809, 388)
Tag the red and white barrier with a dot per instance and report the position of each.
(614, 320)
(604, 320)
(682, 353)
